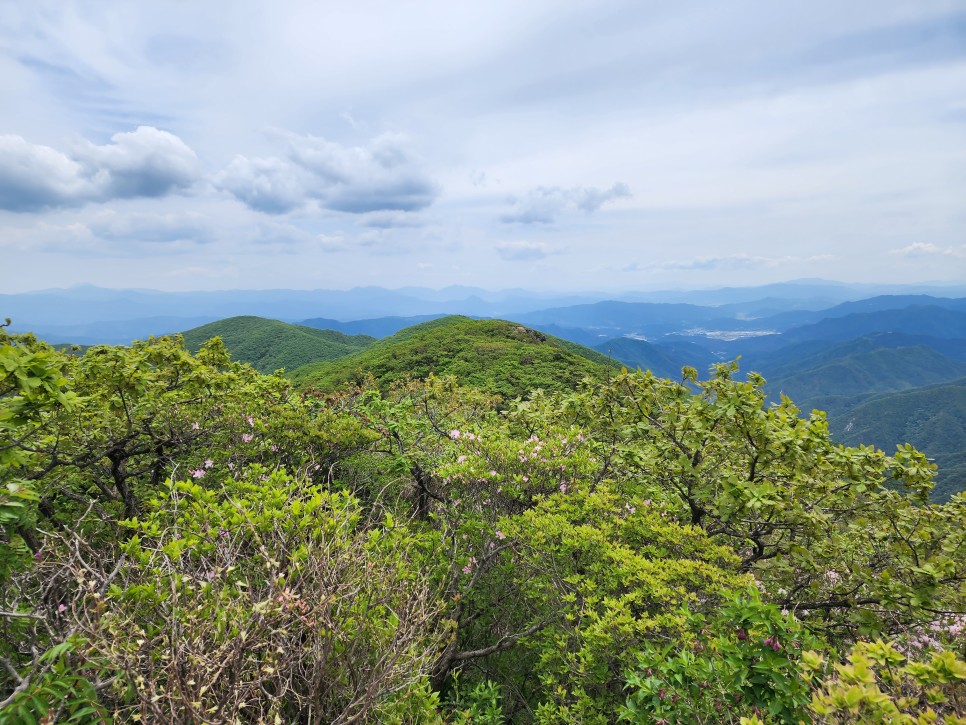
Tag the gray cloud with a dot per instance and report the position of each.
(544, 204)
(269, 185)
(383, 176)
(146, 162)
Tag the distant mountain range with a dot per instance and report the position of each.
(91, 315)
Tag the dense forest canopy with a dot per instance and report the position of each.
(186, 539)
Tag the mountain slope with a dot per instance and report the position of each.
(663, 361)
(269, 344)
(930, 320)
(836, 382)
(494, 355)
(933, 419)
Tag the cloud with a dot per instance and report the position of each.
(923, 249)
(726, 263)
(734, 261)
(383, 176)
(269, 185)
(544, 204)
(392, 220)
(524, 251)
(289, 238)
(146, 162)
(150, 228)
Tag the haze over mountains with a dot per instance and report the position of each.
(87, 315)
(887, 364)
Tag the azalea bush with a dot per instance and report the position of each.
(185, 539)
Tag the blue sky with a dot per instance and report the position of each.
(548, 145)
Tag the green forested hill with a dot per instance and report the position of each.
(493, 355)
(933, 419)
(270, 344)
(663, 360)
(836, 382)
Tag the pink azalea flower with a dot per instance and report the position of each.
(195, 426)
(500, 535)
(198, 473)
(209, 463)
(247, 437)
(461, 459)
(454, 434)
(251, 421)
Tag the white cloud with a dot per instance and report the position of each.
(927, 249)
(524, 251)
(150, 228)
(382, 176)
(544, 204)
(729, 262)
(146, 162)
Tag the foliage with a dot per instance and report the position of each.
(264, 585)
(32, 384)
(811, 519)
(879, 686)
(741, 662)
(204, 543)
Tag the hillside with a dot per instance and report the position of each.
(662, 360)
(270, 344)
(933, 419)
(493, 355)
(836, 380)
(930, 320)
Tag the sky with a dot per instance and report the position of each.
(546, 144)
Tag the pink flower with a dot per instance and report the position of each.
(209, 463)
(461, 459)
(251, 421)
(563, 488)
(247, 437)
(492, 473)
(62, 608)
(198, 473)
(454, 434)
(195, 426)
(500, 535)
